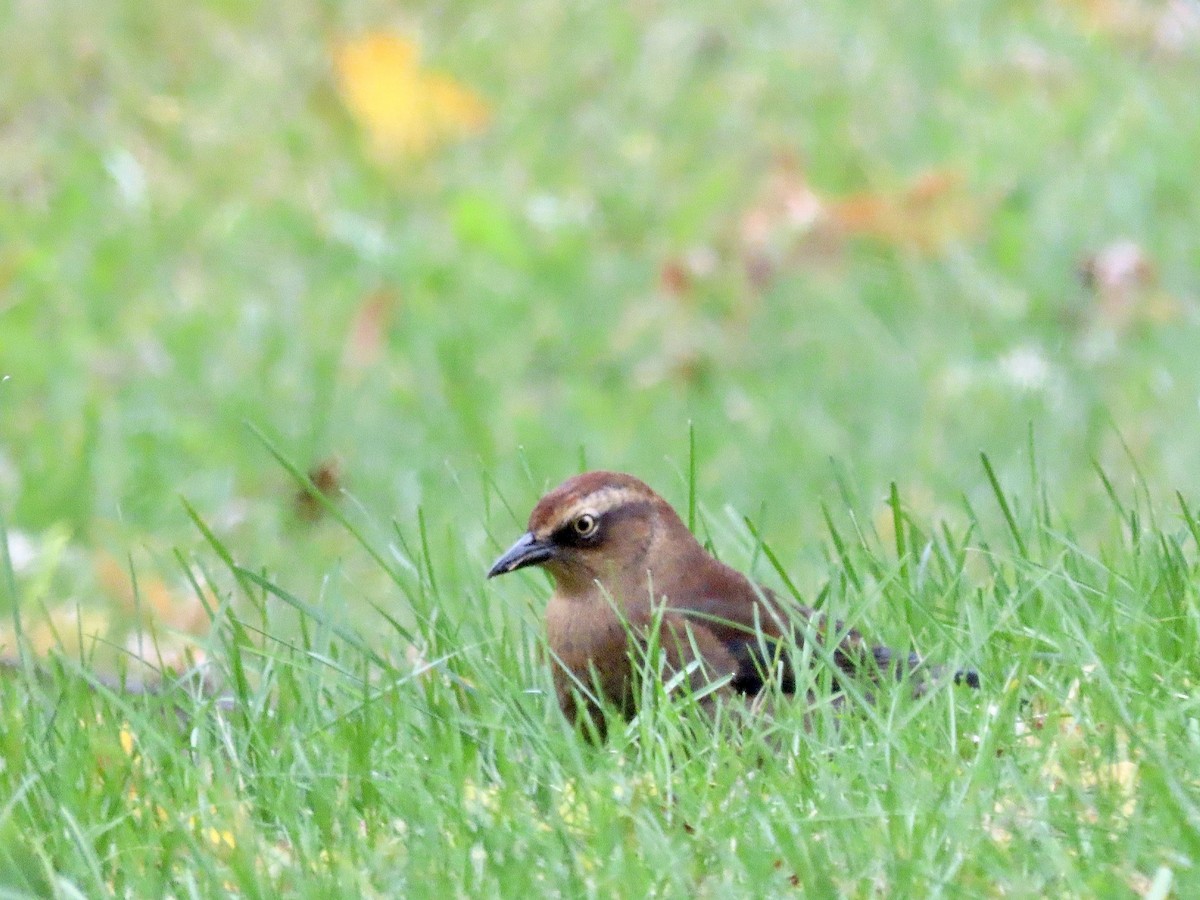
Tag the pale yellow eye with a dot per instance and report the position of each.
(586, 525)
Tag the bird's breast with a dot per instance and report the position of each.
(582, 632)
(589, 644)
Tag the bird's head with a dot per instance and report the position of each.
(595, 526)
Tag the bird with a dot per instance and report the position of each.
(624, 564)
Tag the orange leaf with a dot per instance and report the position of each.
(152, 596)
(933, 211)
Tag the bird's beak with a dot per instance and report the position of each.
(527, 551)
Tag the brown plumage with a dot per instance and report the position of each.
(611, 543)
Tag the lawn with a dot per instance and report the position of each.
(905, 297)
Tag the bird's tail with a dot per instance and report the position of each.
(888, 661)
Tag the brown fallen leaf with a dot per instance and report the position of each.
(366, 339)
(326, 477)
(674, 278)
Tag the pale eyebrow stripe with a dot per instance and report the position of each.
(603, 501)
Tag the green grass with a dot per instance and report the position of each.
(190, 228)
(450, 770)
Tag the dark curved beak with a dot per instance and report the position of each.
(527, 551)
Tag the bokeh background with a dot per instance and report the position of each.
(444, 255)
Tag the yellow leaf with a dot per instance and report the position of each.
(405, 110)
(69, 630)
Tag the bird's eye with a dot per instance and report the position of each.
(585, 526)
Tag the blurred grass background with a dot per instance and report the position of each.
(884, 237)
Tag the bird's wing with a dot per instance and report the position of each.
(749, 621)
(744, 620)
(751, 629)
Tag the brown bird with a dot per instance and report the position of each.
(617, 551)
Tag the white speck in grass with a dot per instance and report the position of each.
(129, 176)
(478, 859)
(739, 407)
(1178, 27)
(542, 210)
(1160, 887)
(22, 551)
(364, 236)
(1162, 381)
(1026, 369)
(702, 261)
(551, 213)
